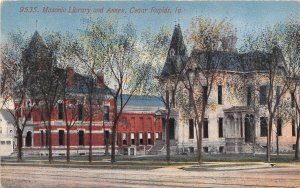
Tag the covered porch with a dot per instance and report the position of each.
(239, 130)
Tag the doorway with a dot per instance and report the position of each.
(249, 128)
(172, 128)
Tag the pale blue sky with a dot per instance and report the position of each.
(246, 16)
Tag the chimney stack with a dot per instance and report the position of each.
(100, 79)
(70, 76)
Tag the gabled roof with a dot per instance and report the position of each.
(177, 54)
(6, 115)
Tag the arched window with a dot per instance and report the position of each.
(28, 139)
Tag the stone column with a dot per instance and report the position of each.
(243, 125)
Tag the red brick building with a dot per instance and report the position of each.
(136, 132)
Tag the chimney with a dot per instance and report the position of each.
(70, 76)
(100, 79)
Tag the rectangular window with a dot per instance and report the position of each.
(263, 95)
(61, 135)
(205, 90)
(149, 138)
(279, 127)
(220, 95)
(278, 91)
(106, 113)
(106, 137)
(205, 128)
(293, 127)
(249, 95)
(263, 127)
(2, 142)
(191, 149)
(28, 116)
(60, 111)
(141, 138)
(221, 149)
(156, 136)
(191, 129)
(42, 116)
(124, 140)
(8, 142)
(80, 138)
(205, 149)
(173, 98)
(47, 138)
(292, 99)
(220, 127)
(167, 97)
(42, 138)
(132, 138)
(80, 112)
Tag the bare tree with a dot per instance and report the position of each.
(48, 78)
(112, 49)
(273, 73)
(206, 37)
(291, 50)
(19, 96)
(155, 45)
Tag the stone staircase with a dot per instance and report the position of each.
(248, 148)
(238, 145)
(157, 148)
(160, 148)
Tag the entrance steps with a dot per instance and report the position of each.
(238, 145)
(160, 148)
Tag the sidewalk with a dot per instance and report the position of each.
(145, 164)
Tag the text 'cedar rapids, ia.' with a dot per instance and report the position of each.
(82, 10)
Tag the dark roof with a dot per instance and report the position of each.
(234, 61)
(36, 45)
(82, 83)
(7, 116)
(177, 54)
(142, 101)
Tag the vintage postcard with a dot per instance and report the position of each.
(149, 93)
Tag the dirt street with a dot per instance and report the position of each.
(246, 176)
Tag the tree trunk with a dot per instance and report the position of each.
(114, 132)
(113, 146)
(200, 136)
(168, 137)
(200, 129)
(50, 139)
(20, 144)
(90, 138)
(297, 143)
(254, 135)
(68, 144)
(269, 139)
(106, 143)
(277, 144)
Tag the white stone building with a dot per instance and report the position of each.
(236, 115)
